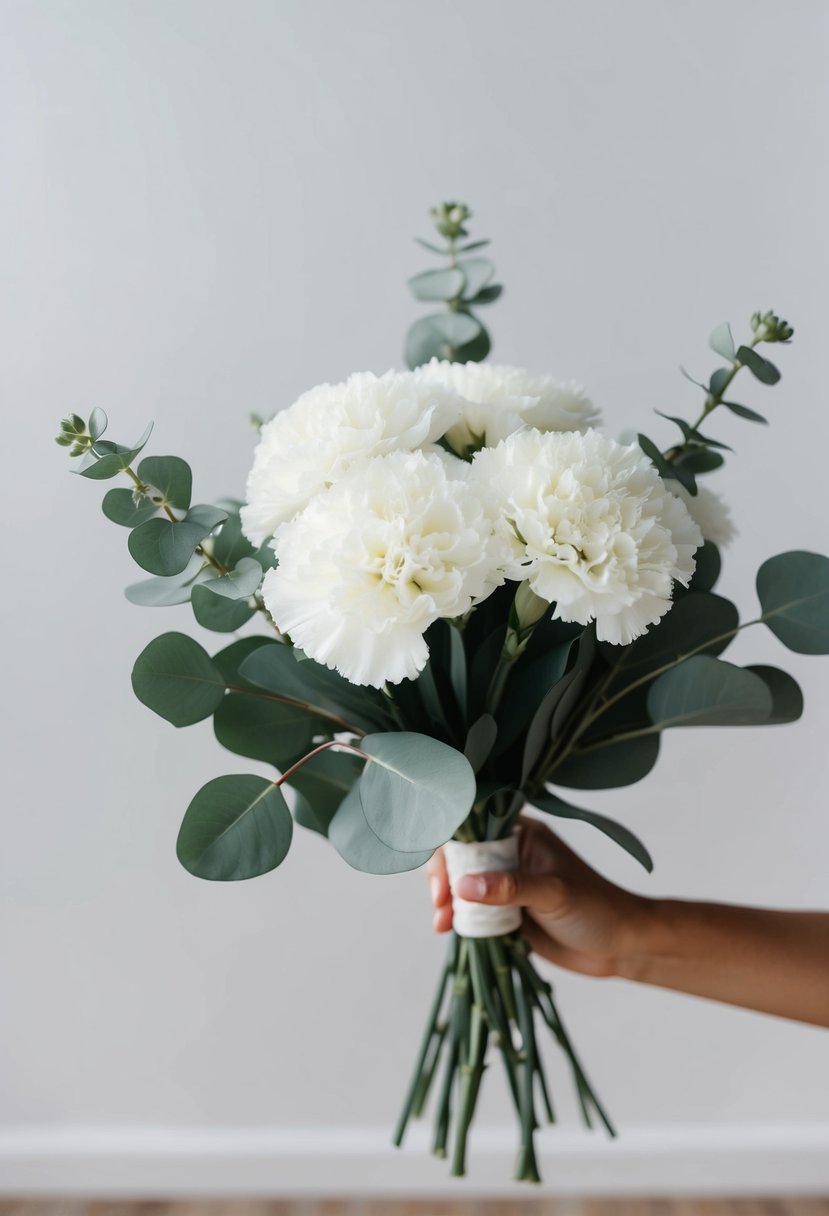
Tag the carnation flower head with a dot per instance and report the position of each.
(709, 512)
(306, 447)
(497, 400)
(396, 543)
(591, 526)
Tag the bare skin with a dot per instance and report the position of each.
(772, 961)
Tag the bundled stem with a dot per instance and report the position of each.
(488, 997)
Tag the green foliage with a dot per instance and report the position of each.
(263, 729)
(168, 481)
(457, 335)
(794, 593)
(163, 547)
(480, 741)
(608, 765)
(164, 592)
(787, 698)
(236, 827)
(224, 603)
(553, 805)
(128, 508)
(176, 678)
(415, 790)
(357, 844)
(704, 691)
(106, 460)
(765, 371)
(320, 786)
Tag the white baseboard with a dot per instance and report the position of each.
(281, 1162)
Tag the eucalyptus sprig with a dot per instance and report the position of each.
(466, 282)
(195, 553)
(697, 454)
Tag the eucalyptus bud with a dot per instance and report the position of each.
(770, 328)
(449, 219)
(74, 435)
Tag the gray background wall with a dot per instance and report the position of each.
(207, 207)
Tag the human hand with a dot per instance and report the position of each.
(572, 916)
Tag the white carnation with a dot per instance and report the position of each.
(306, 447)
(591, 526)
(709, 512)
(396, 543)
(497, 401)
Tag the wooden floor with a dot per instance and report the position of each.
(531, 1207)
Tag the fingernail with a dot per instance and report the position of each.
(472, 886)
(434, 883)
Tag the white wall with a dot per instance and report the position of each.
(206, 207)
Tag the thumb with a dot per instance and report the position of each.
(542, 892)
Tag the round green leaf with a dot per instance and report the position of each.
(218, 613)
(423, 342)
(787, 697)
(320, 787)
(456, 328)
(165, 548)
(171, 477)
(236, 827)
(610, 766)
(97, 423)
(696, 620)
(722, 342)
(109, 459)
(176, 678)
(476, 350)
(231, 658)
(477, 272)
(704, 691)
(240, 583)
(709, 565)
(120, 506)
(437, 285)
(163, 592)
(253, 726)
(356, 843)
(794, 593)
(415, 790)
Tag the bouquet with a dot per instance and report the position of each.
(469, 600)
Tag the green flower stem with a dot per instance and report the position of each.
(430, 1067)
(715, 399)
(526, 1169)
(502, 972)
(429, 1033)
(471, 1073)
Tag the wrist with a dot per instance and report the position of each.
(647, 935)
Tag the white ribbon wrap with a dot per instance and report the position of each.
(481, 920)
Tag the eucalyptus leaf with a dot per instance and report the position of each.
(423, 342)
(239, 583)
(707, 571)
(164, 592)
(267, 730)
(787, 697)
(742, 411)
(794, 593)
(352, 837)
(456, 328)
(477, 272)
(473, 245)
(109, 459)
(480, 740)
(718, 380)
(415, 790)
(553, 805)
(236, 827)
(431, 285)
(164, 548)
(171, 477)
(530, 680)
(697, 461)
(121, 507)
(666, 470)
(722, 342)
(175, 677)
(608, 766)
(761, 368)
(487, 295)
(704, 691)
(218, 613)
(97, 423)
(320, 786)
(230, 659)
(476, 350)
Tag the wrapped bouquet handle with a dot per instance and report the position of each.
(477, 857)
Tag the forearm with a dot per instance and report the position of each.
(772, 961)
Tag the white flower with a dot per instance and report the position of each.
(591, 526)
(372, 562)
(307, 447)
(709, 512)
(498, 400)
